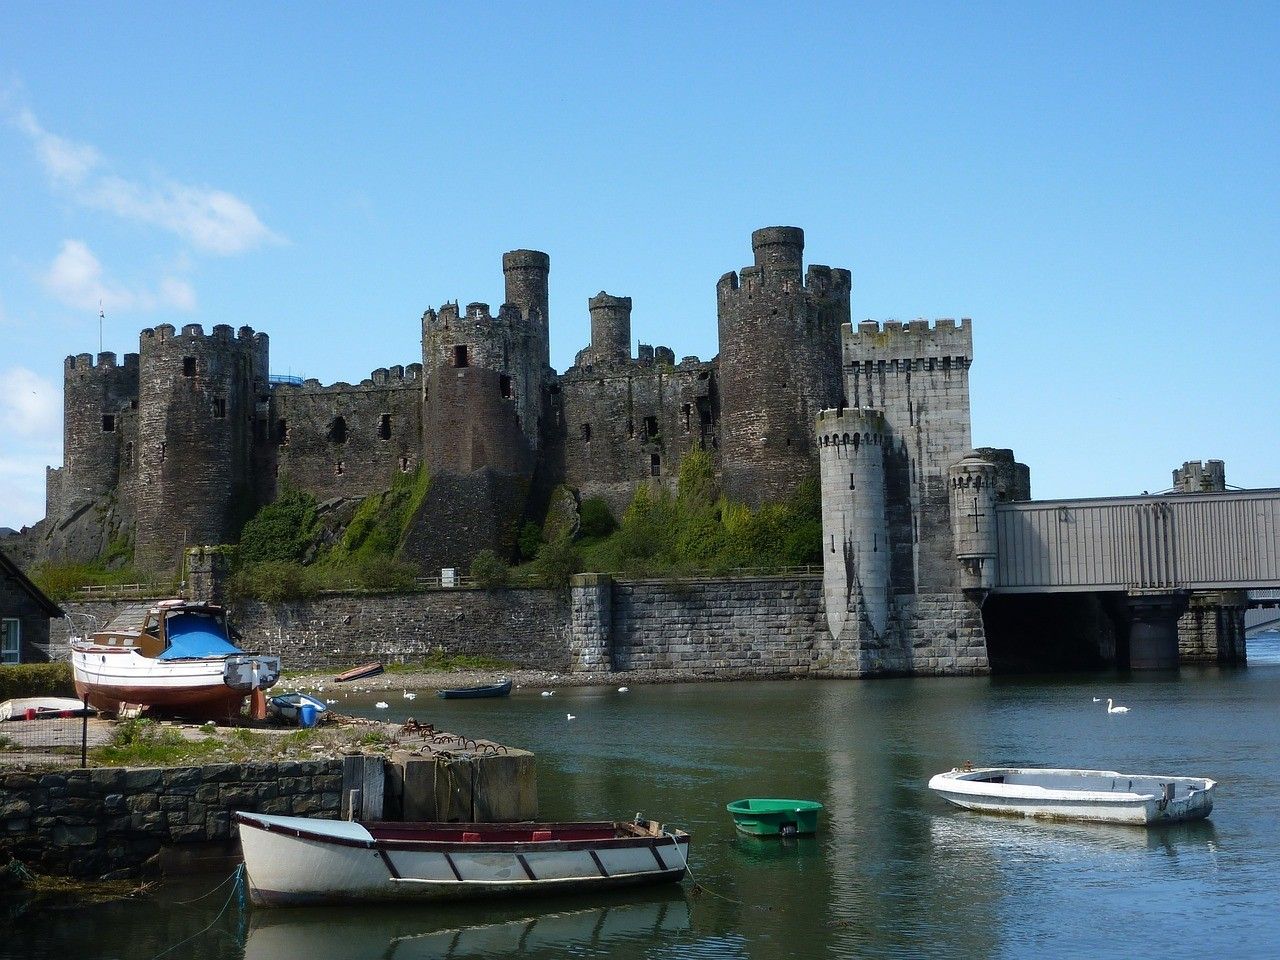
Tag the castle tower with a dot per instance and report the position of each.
(525, 274)
(855, 535)
(1196, 477)
(973, 484)
(610, 329)
(779, 363)
(918, 374)
(96, 400)
(198, 400)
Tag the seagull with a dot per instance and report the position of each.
(1111, 709)
(570, 716)
(382, 704)
(410, 696)
(623, 689)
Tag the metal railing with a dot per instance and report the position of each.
(122, 591)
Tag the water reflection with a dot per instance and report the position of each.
(974, 833)
(404, 935)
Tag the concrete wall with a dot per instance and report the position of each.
(111, 821)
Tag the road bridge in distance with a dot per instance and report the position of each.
(1155, 549)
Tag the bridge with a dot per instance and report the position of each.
(1263, 612)
(1155, 549)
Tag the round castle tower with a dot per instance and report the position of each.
(973, 483)
(610, 328)
(779, 363)
(197, 404)
(96, 401)
(855, 531)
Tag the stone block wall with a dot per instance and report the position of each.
(1212, 628)
(110, 822)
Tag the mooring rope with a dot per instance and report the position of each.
(238, 876)
(697, 884)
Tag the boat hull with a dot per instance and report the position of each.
(477, 693)
(1091, 796)
(287, 864)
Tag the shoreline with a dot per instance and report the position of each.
(426, 679)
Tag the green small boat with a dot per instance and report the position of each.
(775, 818)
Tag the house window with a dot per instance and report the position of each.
(384, 427)
(188, 366)
(10, 641)
(219, 408)
(460, 356)
(108, 423)
(586, 432)
(655, 465)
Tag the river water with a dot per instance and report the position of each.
(893, 872)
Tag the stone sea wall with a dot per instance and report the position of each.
(111, 822)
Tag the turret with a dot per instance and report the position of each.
(96, 398)
(1196, 477)
(610, 328)
(856, 553)
(972, 484)
(779, 363)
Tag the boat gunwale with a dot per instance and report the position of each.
(966, 783)
(676, 837)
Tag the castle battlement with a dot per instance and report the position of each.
(851, 425)
(83, 364)
(395, 376)
(194, 332)
(871, 342)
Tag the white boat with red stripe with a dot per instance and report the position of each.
(173, 657)
(299, 860)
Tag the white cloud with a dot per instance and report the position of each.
(77, 279)
(211, 220)
(30, 406)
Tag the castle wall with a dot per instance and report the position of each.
(617, 419)
(347, 440)
(779, 364)
(202, 401)
(96, 398)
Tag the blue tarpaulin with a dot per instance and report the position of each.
(192, 635)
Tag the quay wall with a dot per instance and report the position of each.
(114, 822)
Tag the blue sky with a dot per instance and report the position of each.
(1095, 185)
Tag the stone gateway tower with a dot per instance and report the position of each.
(779, 363)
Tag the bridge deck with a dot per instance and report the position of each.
(1204, 541)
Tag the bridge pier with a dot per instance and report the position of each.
(1153, 630)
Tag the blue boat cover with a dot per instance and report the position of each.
(193, 635)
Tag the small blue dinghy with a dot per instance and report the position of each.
(300, 708)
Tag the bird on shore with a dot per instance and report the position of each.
(1111, 709)
(382, 704)
(547, 693)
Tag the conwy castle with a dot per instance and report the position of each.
(179, 444)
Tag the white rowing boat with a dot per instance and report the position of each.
(1102, 796)
(298, 860)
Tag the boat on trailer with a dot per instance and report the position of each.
(173, 657)
(483, 691)
(1100, 796)
(299, 860)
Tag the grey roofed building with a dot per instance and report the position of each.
(24, 617)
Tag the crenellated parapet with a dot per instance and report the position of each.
(917, 344)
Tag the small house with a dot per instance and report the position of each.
(24, 617)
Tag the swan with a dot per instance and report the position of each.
(1111, 709)
(410, 696)
(382, 704)
(570, 716)
(1097, 699)
(623, 689)
(547, 693)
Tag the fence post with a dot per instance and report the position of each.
(84, 730)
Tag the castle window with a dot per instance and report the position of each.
(340, 467)
(338, 430)
(687, 409)
(651, 428)
(706, 417)
(586, 432)
(655, 465)
(404, 464)
(108, 423)
(220, 408)
(460, 358)
(133, 404)
(504, 386)
(384, 427)
(188, 366)
(282, 432)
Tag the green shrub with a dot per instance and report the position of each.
(597, 519)
(488, 570)
(530, 540)
(385, 573)
(281, 531)
(557, 562)
(60, 580)
(36, 680)
(380, 522)
(274, 580)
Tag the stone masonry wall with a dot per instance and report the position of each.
(110, 822)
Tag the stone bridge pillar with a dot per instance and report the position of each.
(1153, 630)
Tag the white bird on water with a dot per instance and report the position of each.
(547, 693)
(1111, 709)
(382, 704)
(623, 689)
(409, 696)
(570, 716)
(1097, 699)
